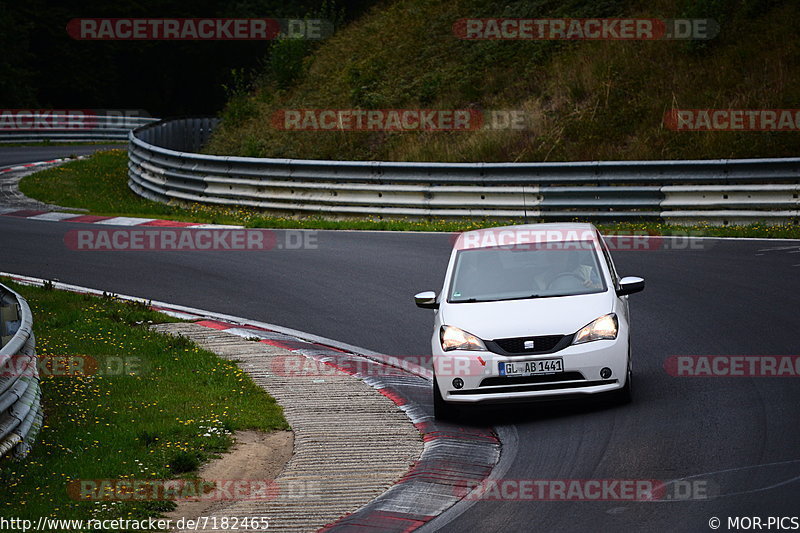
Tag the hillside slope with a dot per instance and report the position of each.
(588, 100)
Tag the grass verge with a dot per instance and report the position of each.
(157, 408)
(105, 175)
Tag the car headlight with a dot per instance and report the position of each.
(457, 339)
(605, 327)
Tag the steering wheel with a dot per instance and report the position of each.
(552, 284)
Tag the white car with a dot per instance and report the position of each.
(530, 312)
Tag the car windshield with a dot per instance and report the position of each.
(526, 271)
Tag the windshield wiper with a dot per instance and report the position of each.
(531, 297)
(476, 300)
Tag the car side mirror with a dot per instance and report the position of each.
(630, 285)
(426, 300)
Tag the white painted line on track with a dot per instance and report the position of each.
(54, 216)
(125, 221)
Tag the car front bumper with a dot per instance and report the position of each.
(482, 383)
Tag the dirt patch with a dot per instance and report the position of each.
(255, 455)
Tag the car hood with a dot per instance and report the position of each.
(537, 316)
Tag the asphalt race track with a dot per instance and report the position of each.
(14, 155)
(738, 437)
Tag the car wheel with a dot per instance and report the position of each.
(441, 409)
(625, 394)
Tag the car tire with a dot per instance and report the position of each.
(441, 409)
(624, 395)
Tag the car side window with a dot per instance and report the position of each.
(609, 261)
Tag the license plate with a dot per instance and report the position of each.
(532, 368)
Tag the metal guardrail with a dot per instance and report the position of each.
(72, 128)
(20, 396)
(164, 165)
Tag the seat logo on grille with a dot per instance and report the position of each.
(528, 345)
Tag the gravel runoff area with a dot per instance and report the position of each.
(351, 443)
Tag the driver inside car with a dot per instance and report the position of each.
(560, 269)
(588, 276)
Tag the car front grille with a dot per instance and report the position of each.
(541, 344)
(525, 380)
